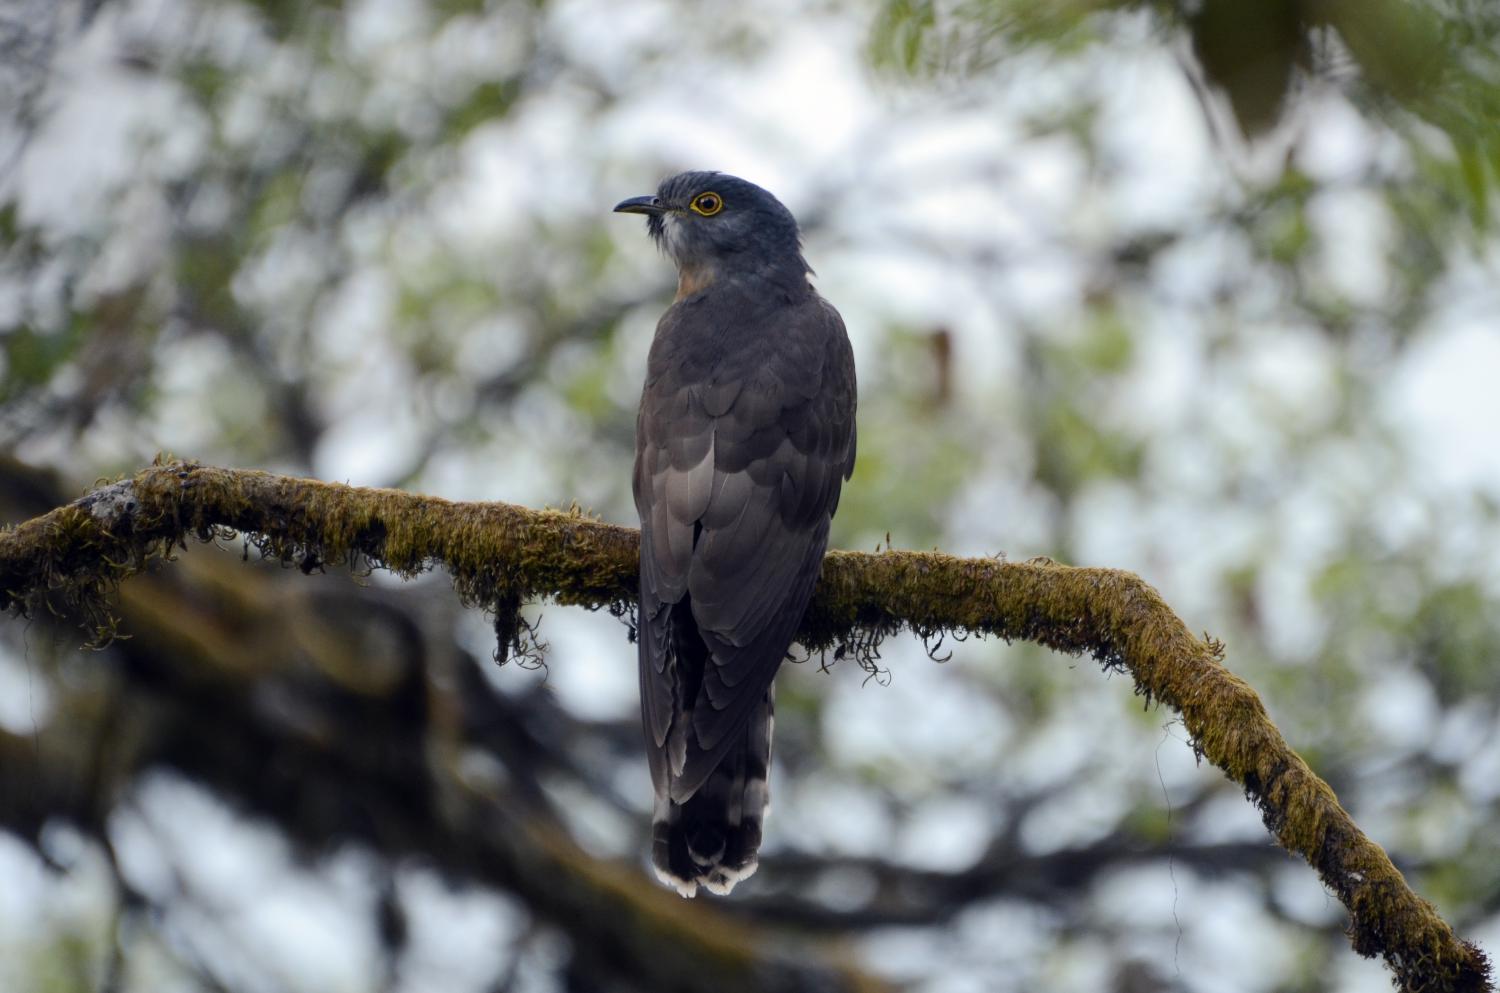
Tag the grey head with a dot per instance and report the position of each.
(714, 225)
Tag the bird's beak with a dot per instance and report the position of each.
(651, 206)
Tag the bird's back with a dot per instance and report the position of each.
(744, 438)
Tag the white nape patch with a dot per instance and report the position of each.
(685, 887)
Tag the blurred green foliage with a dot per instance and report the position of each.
(436, 269)
(1423, 67)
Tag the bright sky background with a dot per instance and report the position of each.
(807, 121)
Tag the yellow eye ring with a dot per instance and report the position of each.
(707, 204)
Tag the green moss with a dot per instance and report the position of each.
(502, 556)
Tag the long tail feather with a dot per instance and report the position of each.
(713, 837)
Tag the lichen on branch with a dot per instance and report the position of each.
(500, 555)
(66, 561)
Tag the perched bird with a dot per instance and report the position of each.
(744, 439)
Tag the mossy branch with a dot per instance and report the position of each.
(500, 554)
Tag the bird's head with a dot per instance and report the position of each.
(718, 226)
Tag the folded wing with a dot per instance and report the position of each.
(742, 448)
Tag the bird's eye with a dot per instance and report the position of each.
(707, 204)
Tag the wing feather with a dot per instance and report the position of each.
(742, 446)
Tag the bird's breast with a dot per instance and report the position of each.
(694, 279)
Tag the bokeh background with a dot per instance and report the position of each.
(1207, 291)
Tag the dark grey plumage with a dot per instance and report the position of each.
(744, 439)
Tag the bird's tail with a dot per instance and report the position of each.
(713, 838)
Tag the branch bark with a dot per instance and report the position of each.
(500, 555)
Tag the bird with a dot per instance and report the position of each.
(744, 439)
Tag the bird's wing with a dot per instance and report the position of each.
(673, 439)
(738, 472)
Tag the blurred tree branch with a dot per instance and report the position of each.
(905, 896)
(345, 719)
(500, 555)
